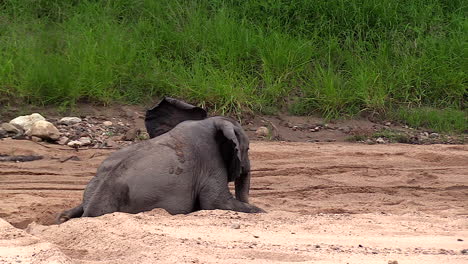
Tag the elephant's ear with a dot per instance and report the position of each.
(227, 137)
(169, 113)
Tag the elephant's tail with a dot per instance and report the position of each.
(69, 214)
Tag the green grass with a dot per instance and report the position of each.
(440, 120)
(336, 58)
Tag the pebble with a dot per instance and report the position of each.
(74, 144)
(107, 123)
(235, 226)
(392, 262)
(262, 131)
(85, 141)
(70, 120)
(380, 140)
(131, 134)
(63, 140)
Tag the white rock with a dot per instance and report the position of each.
(74, 144)
(107, 123)
(70, 120)
(44, 129)
(26, 122)
(262, 131)
(10, 128)
(85, 141)
(63, 140)
(380, 140)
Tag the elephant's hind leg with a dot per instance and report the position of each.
(69, 214)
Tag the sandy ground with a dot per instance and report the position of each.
(326, 203)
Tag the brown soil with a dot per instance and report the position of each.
(326, 203)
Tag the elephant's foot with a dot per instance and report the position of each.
(238, 206)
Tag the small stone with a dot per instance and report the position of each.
(235, 226)
(464, 251)
(63, 140)
(392, 262)
(26, 122)
(85, 141)
(262, 131)
(312, 130)
(256, 236)
(425, 134)
(131, 134)
(36, 139)
(143, 136)
(74, 144)
(110, 143)
(345, 129)
(380, 140)
(388, 123)
(294, 128)
(3, 133)
(107, 123)
(317, 246)
(70, 120)
(434, 135)
(9, 128)
(459, 239)
(44, 129)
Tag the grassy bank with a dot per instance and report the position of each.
(337, 58)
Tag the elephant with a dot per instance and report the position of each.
(185, 166)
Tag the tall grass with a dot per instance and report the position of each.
(336, 58)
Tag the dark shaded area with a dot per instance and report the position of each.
(20, 158)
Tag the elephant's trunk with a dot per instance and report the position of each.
(242, 185)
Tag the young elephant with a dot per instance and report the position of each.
(184, 167)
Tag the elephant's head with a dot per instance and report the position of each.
(232, 141)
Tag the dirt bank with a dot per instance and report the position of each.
(326, 203)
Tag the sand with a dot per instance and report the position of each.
(326, 203)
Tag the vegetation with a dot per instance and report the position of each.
(337, 58)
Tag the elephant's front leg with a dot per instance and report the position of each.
(215, 195)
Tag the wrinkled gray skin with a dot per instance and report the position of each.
(183, 170)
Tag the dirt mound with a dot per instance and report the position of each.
(326, 203)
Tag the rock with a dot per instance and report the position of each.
(464, 251)
(36, 139)
(235, 226)
(70, 120)
(9, 128)
(392, 262)
(131, 134)
(313, 130)
(294, 128)
(74, 144)
(388, 123)
(380, 140)
(345, 129)
(459, 240)
(26, 122)
(107, 123)
(143, 135)
(262, 132)
(3, 133)
(44, 129)
(434, 135)
(63, 140)
(110, 143)
(85, 141)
